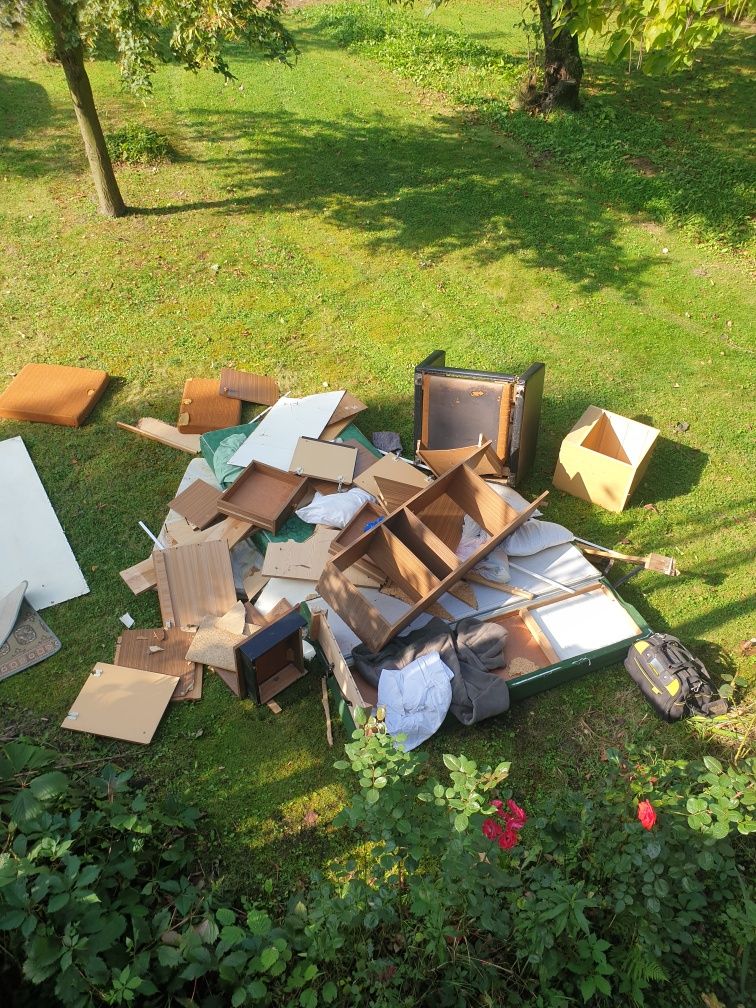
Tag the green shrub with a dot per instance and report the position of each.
(459, 897)
(39, 30)
(139, 145)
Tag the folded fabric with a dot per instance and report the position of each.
(534, 536)
(335, 510)
(416, 698)
(472, 652)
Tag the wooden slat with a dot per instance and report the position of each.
(539, 636)
(141, 577)
(425, 545)
(163, 433)
(321, 632)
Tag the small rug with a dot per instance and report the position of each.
(30, 641)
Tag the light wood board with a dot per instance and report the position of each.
(273, 441)
(306, 561)
(325, 460)
(348, 408)
(194, 582)
(163, 433)
(121, 703)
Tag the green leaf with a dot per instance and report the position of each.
(11, 919)
(372, 796)
(24, 807)
(329, 992)
(49, 785)
(225, 916)
(269, 956)
(713, 765)
(257, 990)
(694, 805)
(308, 998)
(461, 823)
(719, 829)
(238, 997)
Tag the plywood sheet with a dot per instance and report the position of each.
(249, 387)
(391, 468)
(204, 409)
(33, 546)
(121, 703)
(194, 582)
(325, 460)
(137, 649)
(163, 433)
(52, 393)
(348, 408)
(141, 577)
(306, 560)
(275, 438)
(198, 504)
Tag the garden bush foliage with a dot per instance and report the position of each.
(136, 144)
(459, 896)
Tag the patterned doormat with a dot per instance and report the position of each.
(30, 641)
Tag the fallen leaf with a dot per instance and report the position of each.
(651, 507)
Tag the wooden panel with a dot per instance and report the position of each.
(423, 543)
(444, 518)
(349, 602)
(480, 458)
(401, 564)
(283, 678)
(141, 577)
(478, 500)
(263, 495)
(390, 467)
(198, 504)
(348, 408)
(321, 632)
(393, 494)
(53, 393)
(365, 457)
(121, 703)
(163, 433)
(133, 651)
(248, 387)
(193, 582)
(325, 460)
(539, 636)
(505, 415)
(305, 561)
(334, 429)
(204, 409)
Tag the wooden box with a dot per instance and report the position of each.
(414, 548)
(271, 659)
(604, 457)
(454, 407)
(263, 495)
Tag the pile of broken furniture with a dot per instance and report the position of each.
(295, 525)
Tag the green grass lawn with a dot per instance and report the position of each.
(359, 220)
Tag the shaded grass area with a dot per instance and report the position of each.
(357, 223)
(645, 145)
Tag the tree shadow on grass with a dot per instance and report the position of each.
(428, 190)
(25, 112)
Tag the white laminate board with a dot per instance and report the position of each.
(585, 623)
(275, 438)
(33, 546)
(564, 563)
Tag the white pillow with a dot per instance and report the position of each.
(534, 536)
(514, 499)
(335, 510)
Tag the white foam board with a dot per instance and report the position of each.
(33, 546)
(275, 439)
(585, 623)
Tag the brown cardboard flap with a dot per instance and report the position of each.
(121, 703)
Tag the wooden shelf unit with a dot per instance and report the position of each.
(413, 556)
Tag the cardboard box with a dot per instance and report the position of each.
(604, 457)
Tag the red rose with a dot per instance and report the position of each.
(491, 829)
(508, 838)
(516, 817)
(646, 814)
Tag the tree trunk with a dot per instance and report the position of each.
(562, 65)
(71, 55)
